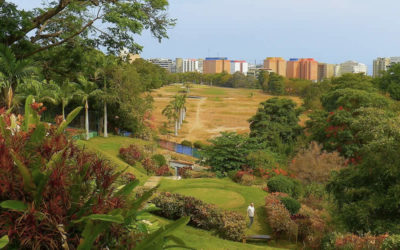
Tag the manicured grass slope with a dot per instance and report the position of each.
(202, 239)
(109, 149)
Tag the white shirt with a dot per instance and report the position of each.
(250, 211)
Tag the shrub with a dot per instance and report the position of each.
(244, 177)
(163, 171)
(186, 143)
(228, 225)
(159, 160)
(131, 154)
(185, 172)
(392, 242)
(278, 217)
(149, 165)
(313, 165)
(51, 189)
(292, 205)
(312, 226)
(199, 145)
(284, 184)
(367, 241)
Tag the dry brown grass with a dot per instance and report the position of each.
(221, 109)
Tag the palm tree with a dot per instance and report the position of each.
(41, 91)
(65, 93)
(175, 111)
(12, 71)
(86, 90)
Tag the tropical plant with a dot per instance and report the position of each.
(86, 89)
(12, 71)
(59, 196)
(41, 91)
(65, 94)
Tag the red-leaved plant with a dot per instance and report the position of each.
(54, 195)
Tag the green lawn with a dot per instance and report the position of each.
(202, 239)
(222, 192)
(109, 148)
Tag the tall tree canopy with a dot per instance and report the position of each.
(108, 23)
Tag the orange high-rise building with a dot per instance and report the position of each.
(293, 68)
(214, 65)
(276, 64)
(308, 69)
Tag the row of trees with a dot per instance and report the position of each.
(175, 111)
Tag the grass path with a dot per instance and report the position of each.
(197, 125)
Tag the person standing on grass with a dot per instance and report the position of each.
(250, 213)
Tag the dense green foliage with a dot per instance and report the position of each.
(284, 184)
(276, 121)
(56, 23)
(292, 205)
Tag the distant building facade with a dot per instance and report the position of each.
(239, 66)
(308, 69)
(325, 71)
(350, 67)
(382, 64)
(293, 68)
(215, 65)
(187, 65)
(276, 64)
(167, 64)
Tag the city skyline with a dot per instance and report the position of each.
(289, 28)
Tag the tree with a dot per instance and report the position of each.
(86, 89)
(41, 91)
(367, 194)
(57, 22)
(175, 111)
(276, 121)
(66, 92)
(263, 79)
(12, 71)
(276, 84)
(227, 152)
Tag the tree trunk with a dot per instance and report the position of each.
(63, 110)
(87, 119)
(176, 127)
(105, 120)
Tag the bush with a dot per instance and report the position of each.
(149, 165)
(292, 205)
(50, 188)
(284, 184)
(392, 242)
(228, 225)
(131, 154)
(163, 171)
(313, 165)
(367, 241)
(244, 177)
(185, 172)
(186, 143)
(278, 217)
(159, 160)
(199, 145)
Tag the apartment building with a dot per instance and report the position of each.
(214, 65)
(276, 64)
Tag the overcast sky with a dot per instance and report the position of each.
(330, 31)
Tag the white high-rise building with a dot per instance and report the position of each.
(239, 66)
(188, 65)
(350, 67)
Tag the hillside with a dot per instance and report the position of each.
(214, 110)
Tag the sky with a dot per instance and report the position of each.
(331, 31)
